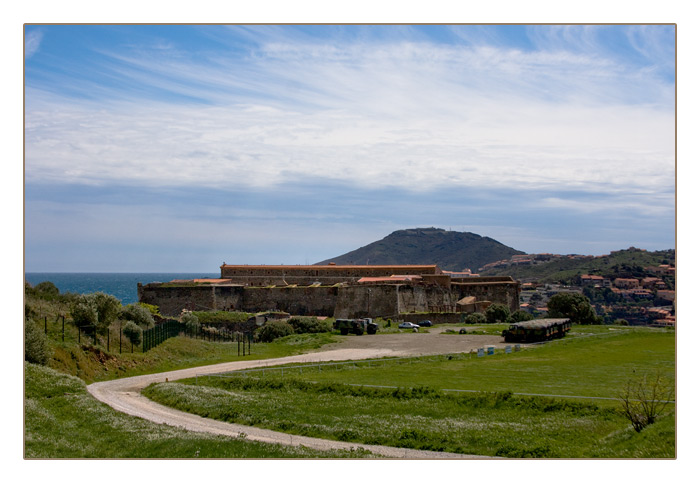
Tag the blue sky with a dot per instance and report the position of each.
(174, 148)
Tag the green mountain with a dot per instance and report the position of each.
(449, 250)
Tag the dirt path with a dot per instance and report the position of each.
(125, 394)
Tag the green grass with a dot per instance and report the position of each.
(92, 363)
(417, 415)
(597, 363)
(62, 420)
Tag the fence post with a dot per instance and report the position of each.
(107, 339)
(63, 329)
(45, 328)
(120, 337)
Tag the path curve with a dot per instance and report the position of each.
(125, 396)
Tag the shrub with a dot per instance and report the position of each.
(520, 316)
(153, 309)
(274, 329)
(475, 318)
(309, 325)
(98, 309)
(497, 313)
(84, 311)
(191, 322)
(139, 314)
(47, 289)
(645, 399)
(36, 345)
(133, 332)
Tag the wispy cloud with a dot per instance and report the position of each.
(32, 42)
(368, 128)
(397, 113)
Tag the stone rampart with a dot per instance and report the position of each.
(172, 299)
(320, 300)
(340, 301)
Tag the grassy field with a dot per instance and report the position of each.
(92, 364)
(62, 420)
(417, 414)
(593, 362)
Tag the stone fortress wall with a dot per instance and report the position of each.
(306, 290)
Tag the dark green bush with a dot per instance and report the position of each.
(47, 289)
(272, 330)
(520, 316)
(496, 313)
(475, 318)
(133, 332)
(36, 345)
(309, 325)
(139, 314)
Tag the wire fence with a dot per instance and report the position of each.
(113, 338)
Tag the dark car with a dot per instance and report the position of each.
(425, 323)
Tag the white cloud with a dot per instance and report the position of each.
(401, 114)
(32, 42)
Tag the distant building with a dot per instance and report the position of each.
(626, 283)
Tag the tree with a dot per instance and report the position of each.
(573, 306)
(139, 314)
(84, 311)
(497, 313)
(645, 399)
(108, 309)
(98, 309)
(133, 333)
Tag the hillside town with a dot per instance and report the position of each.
(647, 298)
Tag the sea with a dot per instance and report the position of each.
(120, 285)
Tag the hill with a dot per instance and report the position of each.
(450, 250)
(628, 263)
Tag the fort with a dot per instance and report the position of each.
(340, 291)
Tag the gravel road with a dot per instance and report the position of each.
(125, 394)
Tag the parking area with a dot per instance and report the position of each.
(410, 343)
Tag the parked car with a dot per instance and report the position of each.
(425, 323)
(408, 325)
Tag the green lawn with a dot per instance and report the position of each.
(319, 403)
(595, 364)
(62, 420)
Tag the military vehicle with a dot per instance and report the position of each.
(355, 326)
(537, 330)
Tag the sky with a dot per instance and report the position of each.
(179, 147)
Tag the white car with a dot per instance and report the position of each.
(408, 325)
